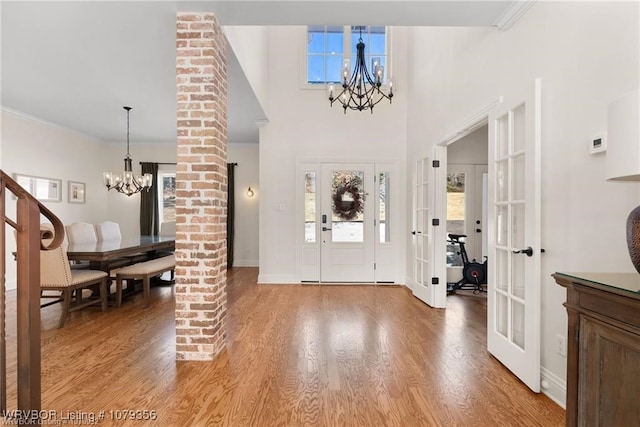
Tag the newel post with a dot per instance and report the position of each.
(28, 294)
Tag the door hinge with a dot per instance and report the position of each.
(374, 265)
(435, 221)
(436, 163)
(374, 222)
(435, 280)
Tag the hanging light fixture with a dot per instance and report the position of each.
(361, 91)
(127, 183)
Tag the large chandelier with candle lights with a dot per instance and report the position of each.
(127, 183)
(362, 91)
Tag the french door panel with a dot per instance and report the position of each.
(422, 238)
(513, 234)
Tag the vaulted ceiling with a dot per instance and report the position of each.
(77, 63)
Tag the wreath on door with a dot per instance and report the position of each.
(348, 201)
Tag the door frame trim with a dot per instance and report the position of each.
(470, 125)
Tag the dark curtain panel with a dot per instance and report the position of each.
(149, 203)
(230, 212)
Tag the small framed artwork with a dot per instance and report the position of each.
(76, 192)
(598, 143)
(43, 189)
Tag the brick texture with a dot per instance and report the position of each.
(201, 187)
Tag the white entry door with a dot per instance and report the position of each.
(513, 305)
(347, 222)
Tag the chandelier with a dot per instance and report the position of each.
(361, 91)
(127, 183)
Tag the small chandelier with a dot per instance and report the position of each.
(362, 91)
(127, 183)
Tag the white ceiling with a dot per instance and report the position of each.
(77, 63)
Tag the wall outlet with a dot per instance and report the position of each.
(561, 345)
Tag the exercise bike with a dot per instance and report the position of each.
(474, 274)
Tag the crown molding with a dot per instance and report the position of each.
(38, 120)
(513, 14)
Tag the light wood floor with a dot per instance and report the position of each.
(296, 355)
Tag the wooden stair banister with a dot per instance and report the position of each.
(29, 244)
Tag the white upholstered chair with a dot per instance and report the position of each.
(81, 232)
(108, 230)
(57, 276)
(168, 229)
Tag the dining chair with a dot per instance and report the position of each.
(168, 229)
(108, 230)
(56, 275)
(81, 232)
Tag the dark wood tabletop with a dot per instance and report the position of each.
(101, 253)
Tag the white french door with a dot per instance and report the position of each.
(347, 222)
(428, 268)
(513, 234)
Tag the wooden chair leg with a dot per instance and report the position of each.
(66, 304)
(78, 296)
(103, 294)
(146, 287)
(118, 292)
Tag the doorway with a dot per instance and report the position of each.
(467, 167)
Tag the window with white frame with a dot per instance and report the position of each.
(166, 195)
(328, 46)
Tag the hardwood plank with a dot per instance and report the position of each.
(296, 355)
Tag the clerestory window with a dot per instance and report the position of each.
(328, 46)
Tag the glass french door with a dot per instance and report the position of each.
(513, 304)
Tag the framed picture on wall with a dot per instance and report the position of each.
(76, 192)
(43, 189)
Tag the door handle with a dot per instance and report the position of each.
(325, 229)
(478, 230)
(413, 232)
(527, 252)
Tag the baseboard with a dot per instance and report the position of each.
(245, 263)
(409, 283)
(281, 279)
(554, 387)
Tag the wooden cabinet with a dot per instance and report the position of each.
(603, 354)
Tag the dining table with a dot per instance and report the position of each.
(101, 255)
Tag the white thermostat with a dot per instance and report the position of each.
(598, 143)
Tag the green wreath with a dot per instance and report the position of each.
(347, 199)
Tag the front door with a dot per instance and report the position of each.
(347, 222)
(513, 301)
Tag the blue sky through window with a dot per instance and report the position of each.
(325, 50)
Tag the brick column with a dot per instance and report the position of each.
(201, 187)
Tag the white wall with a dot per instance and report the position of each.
(472, 149)
(246, 213)
(251, 47)
(303, 125)
(37, 148)
(587, 54)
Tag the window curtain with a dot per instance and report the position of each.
(149, 203)
(230, 212)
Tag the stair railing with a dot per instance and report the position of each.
(29, 243)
